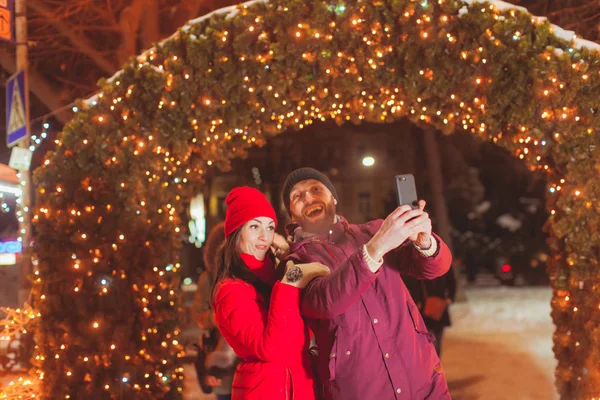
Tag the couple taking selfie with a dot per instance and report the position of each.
(337, 281)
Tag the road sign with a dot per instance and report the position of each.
(20, 159)
(6, 20)
(16, 113)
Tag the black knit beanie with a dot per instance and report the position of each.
(302, 174)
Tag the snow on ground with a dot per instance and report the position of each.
(192, 390)
(500, 345)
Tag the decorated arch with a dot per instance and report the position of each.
(110, 195)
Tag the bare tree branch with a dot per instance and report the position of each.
(574, 10)
(39, 86)
(579, 15)
(78, 41)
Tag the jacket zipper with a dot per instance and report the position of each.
(288, 384)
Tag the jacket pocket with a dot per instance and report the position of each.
(247, 386)
(333, 355)
(418, 322)
(343, 354)
(249, 375)
(436, 388)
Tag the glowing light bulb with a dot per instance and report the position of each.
(368, 161)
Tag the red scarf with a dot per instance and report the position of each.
(263, 269)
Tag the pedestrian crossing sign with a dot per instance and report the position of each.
(16, 113)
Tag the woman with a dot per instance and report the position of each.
(216, 360)
(257, 305)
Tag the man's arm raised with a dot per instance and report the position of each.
(428, 257)
(329, 296)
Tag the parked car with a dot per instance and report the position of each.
(510, 259)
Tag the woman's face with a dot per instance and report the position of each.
(256, 237)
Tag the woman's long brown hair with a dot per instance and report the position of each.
(230, 265)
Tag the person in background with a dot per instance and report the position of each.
(433, 297)
(257, 304)
(216, 362)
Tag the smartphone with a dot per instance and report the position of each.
(407, 191)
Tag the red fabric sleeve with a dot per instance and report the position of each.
(331, 295)
(245, 322)
(411, 262)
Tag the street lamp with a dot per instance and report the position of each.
(368, 161)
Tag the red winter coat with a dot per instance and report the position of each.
(271, 340)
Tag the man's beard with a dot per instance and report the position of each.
(322, 224)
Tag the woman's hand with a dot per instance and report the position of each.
(300, 275)
(281, 247)
(213, 382)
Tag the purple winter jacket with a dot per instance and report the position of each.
(372, 341)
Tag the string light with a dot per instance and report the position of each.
(212, 140)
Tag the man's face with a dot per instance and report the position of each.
(312, 206)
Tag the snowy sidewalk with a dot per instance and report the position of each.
(500, 345)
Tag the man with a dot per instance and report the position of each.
(372, 341)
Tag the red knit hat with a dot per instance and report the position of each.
(243, 204)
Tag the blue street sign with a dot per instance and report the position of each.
(16, 113)
(6, 20)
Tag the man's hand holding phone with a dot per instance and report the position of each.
(408, 221)
(407, 195)
(422, 237)
(403, 223)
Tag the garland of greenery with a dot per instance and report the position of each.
(110, 195)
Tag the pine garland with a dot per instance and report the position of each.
(110, 195)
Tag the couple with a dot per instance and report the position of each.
(344, 281)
